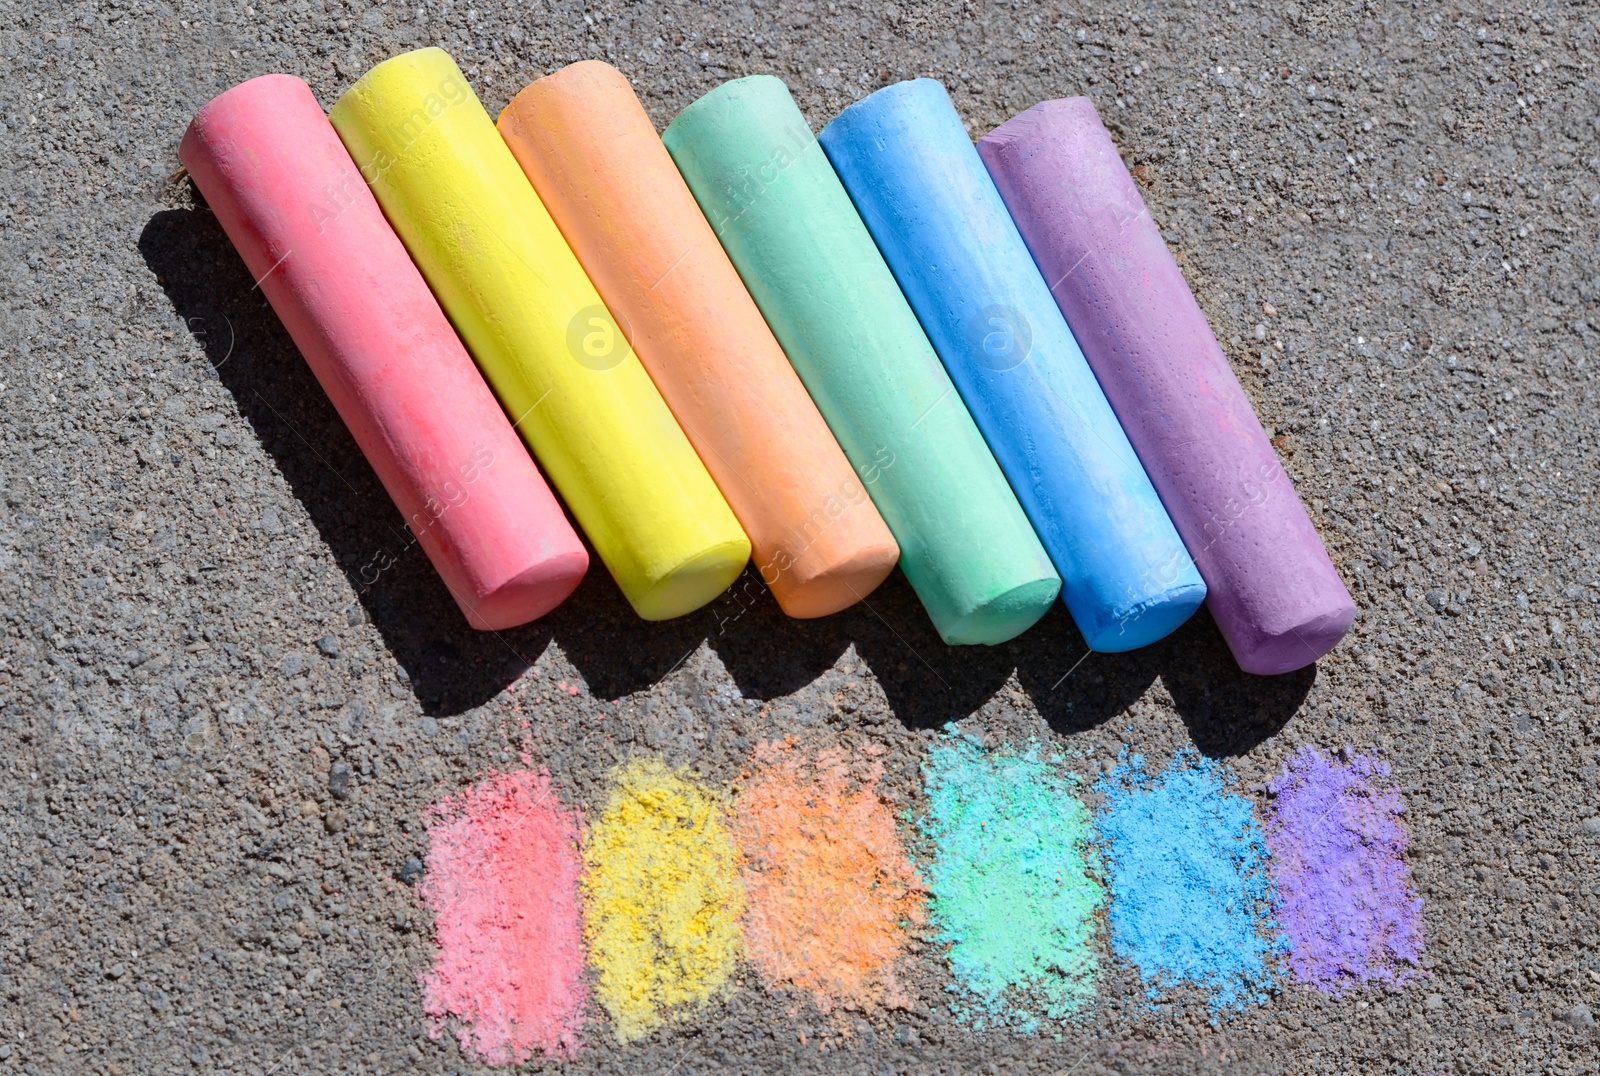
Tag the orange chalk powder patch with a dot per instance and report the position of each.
(832, 893)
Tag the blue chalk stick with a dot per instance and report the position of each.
(918, 182)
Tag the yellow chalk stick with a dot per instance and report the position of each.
(552, 352)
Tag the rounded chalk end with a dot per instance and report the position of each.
(691, 584)
(834, 587)
(430, 60)
(579, 78)
(1005, 616)
(759, 87)
(528, 595)
(1150, 622)
(1297, 647)
(274, 88)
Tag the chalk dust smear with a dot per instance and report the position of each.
(1013, 888)
(662, 895)
(1338, 849)
(1191, 898)
(832, 892)
(502, 881)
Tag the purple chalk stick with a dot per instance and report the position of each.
(1273, 591)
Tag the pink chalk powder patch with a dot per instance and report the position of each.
(502, 882)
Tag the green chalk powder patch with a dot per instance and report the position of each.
(1014, 892)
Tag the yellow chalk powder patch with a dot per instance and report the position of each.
(662, 897)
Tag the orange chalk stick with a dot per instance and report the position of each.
(589, 149)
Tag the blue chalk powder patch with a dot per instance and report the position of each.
(1191, 901)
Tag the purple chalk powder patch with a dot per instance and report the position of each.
(1347, 904)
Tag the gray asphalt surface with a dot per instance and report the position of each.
(1389, 214)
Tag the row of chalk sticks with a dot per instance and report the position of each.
(837, 353)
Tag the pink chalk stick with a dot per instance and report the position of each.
(295, 206)
(1271, 588)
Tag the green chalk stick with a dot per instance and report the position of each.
(790, 229)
